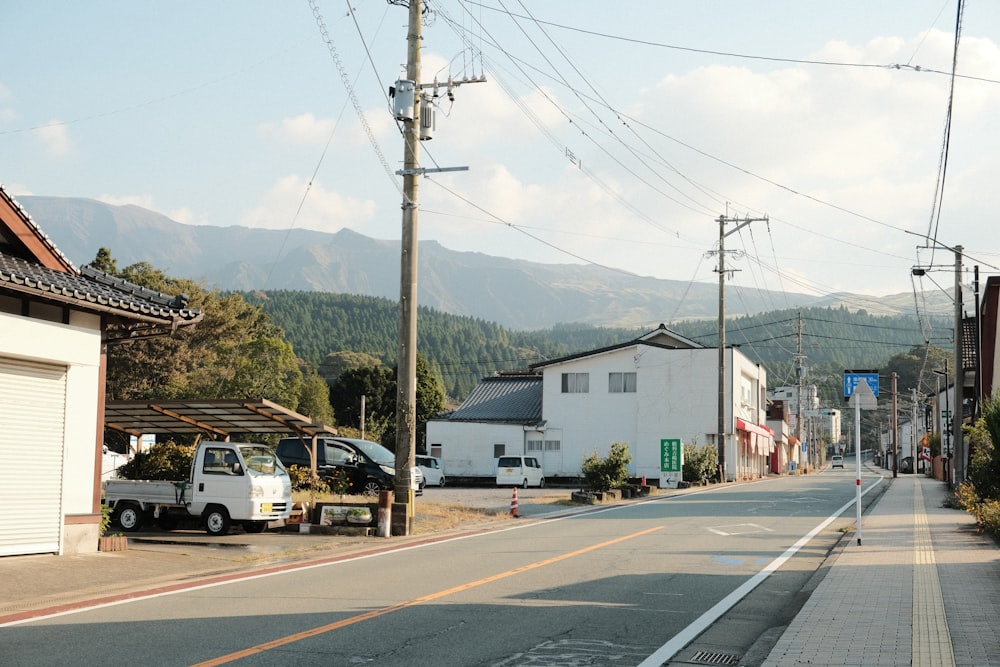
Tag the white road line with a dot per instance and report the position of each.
(703, 622)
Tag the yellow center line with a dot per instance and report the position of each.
(290, 639)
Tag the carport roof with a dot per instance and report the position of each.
(218, 418)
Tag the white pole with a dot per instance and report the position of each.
(857, 456)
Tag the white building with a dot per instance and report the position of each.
(659, 386)
(54, 335)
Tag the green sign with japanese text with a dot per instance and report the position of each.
(671, 455)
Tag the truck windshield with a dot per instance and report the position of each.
(261, 461)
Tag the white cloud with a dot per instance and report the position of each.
(323, 210)
(187, 216)
(145, 201)
(305, 128)
(55, 136)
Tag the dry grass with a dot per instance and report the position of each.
(431, 517)
(439, 517)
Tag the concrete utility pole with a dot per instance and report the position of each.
(415, 109)
(406, 354)
(894, 425)
(800, 375)
(722, 430)
(961, 457)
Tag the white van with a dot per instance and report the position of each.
(521, 471)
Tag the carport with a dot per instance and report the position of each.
(215, 419)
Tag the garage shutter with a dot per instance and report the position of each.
(32, 425)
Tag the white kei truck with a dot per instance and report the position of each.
(229, 481)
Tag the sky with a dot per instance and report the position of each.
(610, 133)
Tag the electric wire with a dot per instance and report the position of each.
(745, 56)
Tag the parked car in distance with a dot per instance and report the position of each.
(369, 466)
(837, 461)
(430, 466)
(521, 471)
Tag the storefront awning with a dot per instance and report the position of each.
(762, 437)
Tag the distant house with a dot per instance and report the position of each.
(54, 335)
(989, 339)
(659, 386)
(501, 416)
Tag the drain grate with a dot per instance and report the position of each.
(710, 658)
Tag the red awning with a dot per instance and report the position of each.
(753, 428)
(763, 439)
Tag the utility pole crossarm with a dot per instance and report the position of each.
(722, 429)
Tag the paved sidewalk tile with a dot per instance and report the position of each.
(923, 588)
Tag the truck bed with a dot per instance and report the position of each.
(154, 492)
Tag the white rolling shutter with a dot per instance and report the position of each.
(32, 429)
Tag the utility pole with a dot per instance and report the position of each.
(914, 441)
(721, 435)
(800, 374)
(406, 353)
(894, 425)
(415, 109)
(961, 458)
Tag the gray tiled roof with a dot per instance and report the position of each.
(84, 289)
(503, 398)
(92, 290)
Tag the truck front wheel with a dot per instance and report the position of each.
(216, 520)
(129, 516)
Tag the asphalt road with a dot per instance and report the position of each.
(626, 585)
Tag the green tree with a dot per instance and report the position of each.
(984, 467)
(315, 400)
(235, 351)
(377, 384)
(105, 262)
(336, 363)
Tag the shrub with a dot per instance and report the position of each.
(610, 472)
(303, 479)
(164, 460)
(988, 516)
(700, 463)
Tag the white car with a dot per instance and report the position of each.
(520, 471)
(430, 466)
(837, 461)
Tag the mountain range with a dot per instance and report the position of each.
(514, 293)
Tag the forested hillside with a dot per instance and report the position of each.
(460, 349)
(464, 349)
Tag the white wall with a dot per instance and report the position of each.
(467, 447)
(77, 347)
(676, 397)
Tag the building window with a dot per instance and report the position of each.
(534, 445)
(621, 383)
(575, 383)
(553, 445)
(498, 450)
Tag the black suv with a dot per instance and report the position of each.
(370, 467)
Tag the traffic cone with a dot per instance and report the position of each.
(513, 504)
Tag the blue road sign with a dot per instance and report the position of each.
(853, 378)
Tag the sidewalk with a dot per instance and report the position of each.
(923, 588)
